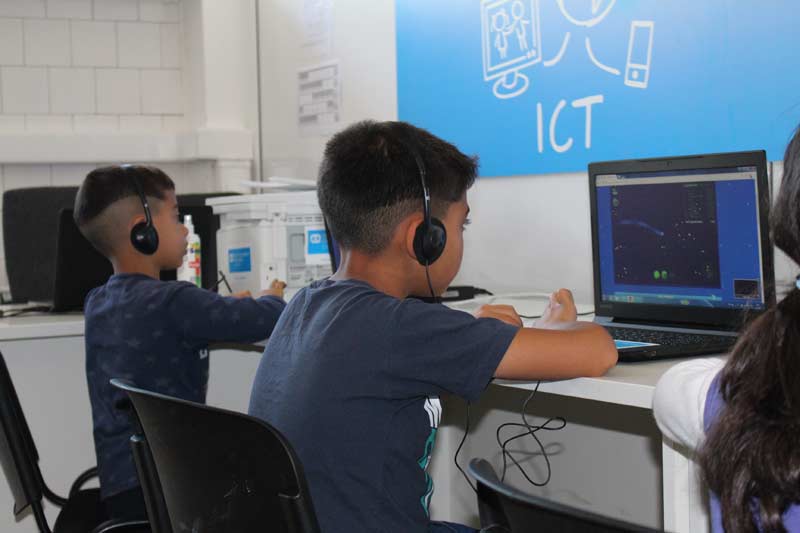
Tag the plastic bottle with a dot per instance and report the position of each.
(190, 268)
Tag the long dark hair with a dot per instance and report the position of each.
(751, 457)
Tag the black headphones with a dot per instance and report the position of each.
(144, 236)
(431, 235)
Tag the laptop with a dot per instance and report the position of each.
(681, 250)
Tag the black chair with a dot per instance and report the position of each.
(505, 509)
(81, 512)
(220, 471)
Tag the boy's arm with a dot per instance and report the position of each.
(203, 315)
(558, 347)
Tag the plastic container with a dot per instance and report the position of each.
(190, 268)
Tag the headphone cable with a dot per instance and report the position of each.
(436, 299)
(458, 450)
(529, 429)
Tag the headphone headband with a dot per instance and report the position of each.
(142, 196)
(426, 194)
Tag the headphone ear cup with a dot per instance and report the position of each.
(144, 238)
(429, 241)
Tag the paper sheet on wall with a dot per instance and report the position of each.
(318, 99)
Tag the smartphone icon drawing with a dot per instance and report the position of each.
(640, 49)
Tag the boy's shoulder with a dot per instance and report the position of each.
(133, 289)
(357, 302)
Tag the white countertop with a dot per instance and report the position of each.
(630, 384)
(41, 326)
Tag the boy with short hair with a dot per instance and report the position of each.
(355, 367)
(139, 328)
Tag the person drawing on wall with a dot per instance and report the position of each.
(519, 24)
(500, 25)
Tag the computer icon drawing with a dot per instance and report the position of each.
(511, 41)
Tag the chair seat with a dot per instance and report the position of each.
(82, 513)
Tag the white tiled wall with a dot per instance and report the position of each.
(189, 177)
(90, 66)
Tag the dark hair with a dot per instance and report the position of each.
(369, 180)
(107, 185)
(751, 457)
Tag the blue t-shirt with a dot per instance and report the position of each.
(352, 377)
(156, 334)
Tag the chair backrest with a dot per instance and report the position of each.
(513, 510)
(18, 456)
(222, 471)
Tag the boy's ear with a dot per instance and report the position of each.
(136, 219)
(409, 229)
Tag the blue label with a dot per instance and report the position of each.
(239, 260)
(316, 242)
(621, 345)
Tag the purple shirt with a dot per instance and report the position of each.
(714, 404)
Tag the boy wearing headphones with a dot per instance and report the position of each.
(354, 369)
(139, 328)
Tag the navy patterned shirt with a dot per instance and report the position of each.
(156, 334)
(352, 378)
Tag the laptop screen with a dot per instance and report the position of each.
(688, 238)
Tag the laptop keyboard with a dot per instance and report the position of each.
(668, 338)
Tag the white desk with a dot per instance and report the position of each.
(607, 416)
(41, 326)
(45, 356)
(633, 384)
(683, 498)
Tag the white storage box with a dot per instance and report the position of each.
(267, 236)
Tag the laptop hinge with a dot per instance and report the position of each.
(665, 324)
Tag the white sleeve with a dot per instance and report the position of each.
(680, 398)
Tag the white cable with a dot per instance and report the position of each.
(488, 299)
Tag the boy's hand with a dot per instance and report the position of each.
(242, 294)
(561, 308)
(275, 289)
(504, 313)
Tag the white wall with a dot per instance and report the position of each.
(363, 42)
(90, 66)
(85, 83)
(528, 233)
(86, 66)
